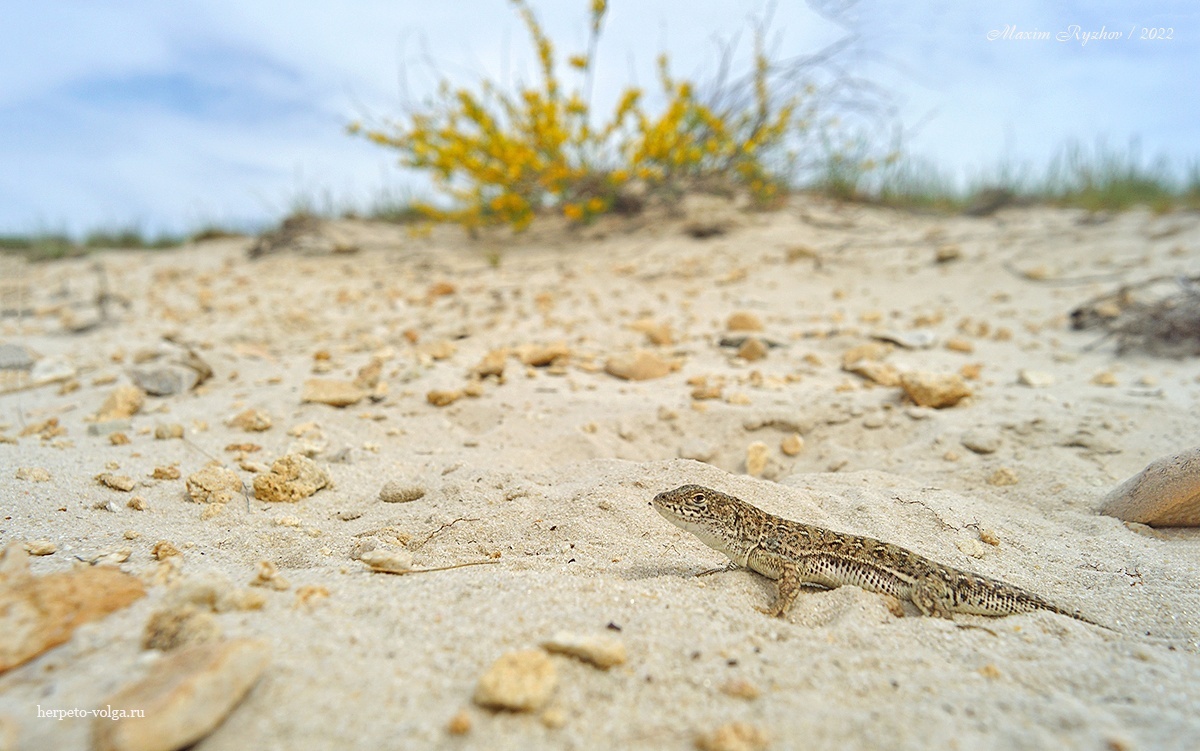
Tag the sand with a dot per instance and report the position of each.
(548, 476)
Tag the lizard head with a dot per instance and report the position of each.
(685, 503)
(710, 515)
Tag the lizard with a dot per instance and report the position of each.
(795, 554)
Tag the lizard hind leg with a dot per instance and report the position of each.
(932, 597)
(790, 583)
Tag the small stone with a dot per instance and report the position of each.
(872, 351)
(37, 613)
(934, 390)
(163, 550)
(16, 357)
(540, 356)
(165, 473)
(920, 339)
(1035, 378)
(268, 576)
(118, 439)
(733, 736)
(292, 478)
(982, 440)
(958, 344)
(554, 718)
(990, 671)
(601, 650)
(33, 474)
(757, 455)
(170, 431)
(752, 349)
(137, 503)
(1164, 494)
(179, 625)
(1003, 476)
(40, 547)
(443, 398)
(167, 380)
(122, 403)
(184, 696)
(972, 547)
(885, 374)
(388, 561)
(1105, 378)
(989, 537)
(123, 483)
(947, 253)
(335, 393)
(213, 485)
(792, 444)
(697, 449)
(519, 681)
(656, 332)
(109, 427)
(440, 349)
(251, 420)
(638, 366)
(460, 723)
(740, 688)
(744, 320)
(492, 364)
(401, 491)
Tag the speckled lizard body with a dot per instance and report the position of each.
(795, 554)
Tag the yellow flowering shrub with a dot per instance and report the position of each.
(504, 157)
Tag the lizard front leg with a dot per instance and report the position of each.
(789, 583)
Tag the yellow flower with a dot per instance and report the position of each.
(573, 212)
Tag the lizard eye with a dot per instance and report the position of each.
(698, 498)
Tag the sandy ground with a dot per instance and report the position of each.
(550, 473)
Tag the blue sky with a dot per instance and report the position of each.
(168, 116)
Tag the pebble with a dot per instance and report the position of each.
(792, 444)
(697, 449)
(743, 320)
(981, 440)
(292, 478)
(958, 344)
(16, 357)
(122, 403)
(443, 398)
(37, 613)
(740, 688)
(336, 393)
(656, 332)
(601, 650)
(638, 366)
(108, 427)
(885, 374)
(757, 455)
(1003, 476)
(733, 736)
(920, 339)
(401, 491)
(543, 355)
(388, 561)
(752, 349)
(934, 390)
(213, 485)
(492, 364)
(1035, 378)
(251, 420)
(1164, 494)
(460, 723)
(1105, 378)
(179, 625)
(184, 696)
(40, 547)
(169, 431)
(116, 482)
(519, 681)
(33, 474)
(167, 380)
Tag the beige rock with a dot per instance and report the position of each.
(292, 478)
(492, 364)
(388, 561)
(460, 723)
(655, 331)
(1105, 378)
(166, 473)
(336, 393)
(170, 431)
(934, 389)
(440, 349)
(116, 482)
(740, 688)
(122, 403)
(733, 736)
(757, 455)
(401, 491)
(885, 374)
(178, 626)
(638, 366)
(871, 351)
(184, 696)
(37, 613)
(251, 420)
(163, 549)
(1164, 494)
(602, 650)
(792, 445)
(744, 320)
(1003, 476)
(958, 344)
(520, 681)
(213, 485)
(752, 349)
(1034, 378)
(40, 547)
(443, 398)
(539, 356)
(33, 474)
